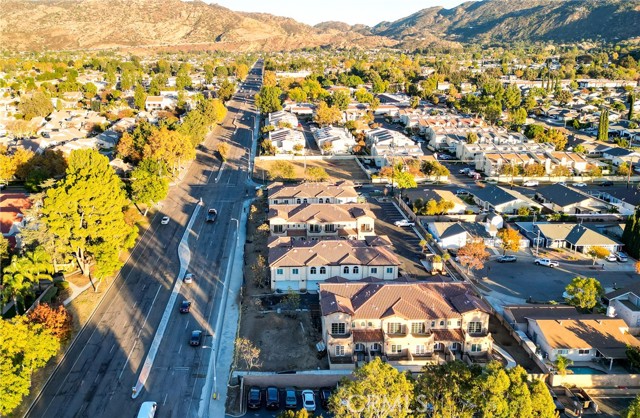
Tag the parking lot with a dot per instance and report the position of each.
(264, 413)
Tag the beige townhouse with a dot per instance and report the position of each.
(333, 193)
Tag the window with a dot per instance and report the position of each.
(420, 349)
(417, 328)
(359, 347)
(370, 324)
(278, 229)
(298, 201)
(275, 201)
(476, 348)
(330, 228)
(433, 324)
(339, 350)
(362, 323)
(394, 328)
(279, 272)
(396, 348)
(315, 228)
(389, 270)
(442, 323)
(294, 271)
(459, 322)
(563, 351)
(338, 328)
(304, 200)
(321, 200)
(374, 270)
(323, 270)
(474, 327)
(313, 270)
(356, 270)
(583, 352)
(366, 228)
(345, 270)
(375, 347)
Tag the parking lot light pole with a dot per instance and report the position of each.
(214, 394)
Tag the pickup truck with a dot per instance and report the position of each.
(545, 262)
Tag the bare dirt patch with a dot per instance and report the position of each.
(336, 169)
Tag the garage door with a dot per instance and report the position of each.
(285, 285)
(313, 286)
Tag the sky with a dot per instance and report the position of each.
(368, 12)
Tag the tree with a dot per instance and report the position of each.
(404, 180)
(327, 115)
(491, 390)
(15, 286)
(341, 99)
(415, 102)
(297, 95)
(259, 270)
(564, 97)
(268, 100)
(603, 125)
(242, 70)
(473, 255)
(85, 212)
(24, 348)
(534, 131)
(139, 97)
(633, 356)
(562, 364)
(434, 168)
(623, 169)
(38, 104)
(248, 353)
(169, 147)
(633, 411)
(534, 170)
(584, 292)
(223, 150)
(632, 102)
(291, 414)
(597, 252)
(378, 390)
(316, 174)
(149, 184)
(281, 170)
(269, 79)
(512, 97)
(472, 137)
(291, 300)
(518, 117)
(561, 171)
(541, 401)
(57, 320)
(510, 239)
(555, 137)
(518, 394)
(226, 90)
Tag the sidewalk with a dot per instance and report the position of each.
(75, 292)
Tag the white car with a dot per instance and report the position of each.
(464, 170)
(611, 258)
(188, 278)
(530, 183)
(579, 184)
(404, 222)
(165, 220)
(308, 400)
(546, 262)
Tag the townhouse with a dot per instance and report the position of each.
(303, 265)
(385, 143)
(282, 119)
(332, 193)
(334, 139)
(407, 324)
(287, 141)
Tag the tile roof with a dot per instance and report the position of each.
(448, 335)
(331, 253)
(368, 300)
(319, 212)
(368, 335)
(12, 206)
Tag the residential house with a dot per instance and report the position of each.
(154, 103)
(12, 215)
(517, 315)
(330, 193)
(454, 235)
(502, 200)
(625, 200)
(459, 206)
(625, 304)
(407, 324)
(321, 221)
(576, 237)
(618, 156)
(282, 119)
(287, 141)
(385, 143)
(563, 199)
(335, 140)
(303, 265)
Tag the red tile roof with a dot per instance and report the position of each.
(12, 206)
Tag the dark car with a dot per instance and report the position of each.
(290, 400)
(606, 183)
(325, 394)
(254, 400)
(196, 338)
(212, 215)
(506, 259)
(185, 306)
(273, 398)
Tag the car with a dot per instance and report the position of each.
(273, 397)
(471, 173)
(308, 400)
(545, 262)
(165, 220)
(404, 222)
(530, 183)
(506, 259)
(462, 192)
(290, 400)
(622, 257)
(185, 306)
(579, 184)
(325, 394)
(212, 214)
(611, 258)
(254, 399)
(606, 183)
(464, 170)
(188, 278)
(196, 338)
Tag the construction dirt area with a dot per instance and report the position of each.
(337, 169)
(285, 327)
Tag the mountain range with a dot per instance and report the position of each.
(174, 24)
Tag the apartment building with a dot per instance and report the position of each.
(339, 193)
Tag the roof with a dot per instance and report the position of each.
(419, 301)
(368, 335)
(12, 206)
(343, 189)
(319, 212)
(520, 313)
(448, 335)
(154, 99)
(330, 253)
(562, 195)
(446, 230)
(610, 336)
(632, 288)
(496, 195)
(617, 152)
(576, 234)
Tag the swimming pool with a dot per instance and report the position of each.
(584, 370)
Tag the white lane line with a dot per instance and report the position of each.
(220, 170)
(186, 325)
(127, 361)
(179, 348)
(165, 399)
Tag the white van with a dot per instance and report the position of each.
(147, 410)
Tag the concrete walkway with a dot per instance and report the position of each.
(75, 292)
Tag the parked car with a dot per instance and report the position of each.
(622, 257)
(579, 184)
(325, 394)
(546, 262)
(196, 338)
(188, 278)
(404, 222)
(471, 173)
(290, 400)
(464, 170)
(506, 259)
(165, 220)
(611, 258)
(212, 214)
(530, 183)
(185, 306)
(254, 400)
(606, 183)
(308, 400)
(462, 192)
(273, 398)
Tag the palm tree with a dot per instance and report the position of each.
(16, 285)
(37, 265)
(562, 364)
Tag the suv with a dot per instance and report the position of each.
(546, 262)
(530, 183)
(273, 398)
(254, 400)
(185, 306)
(606, 183)
(622, 257)
(506, 259)
(212, 215)
(196, 338)
(290, 400)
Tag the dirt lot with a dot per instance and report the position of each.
(503, 338)
(286, 339)
(336, 169)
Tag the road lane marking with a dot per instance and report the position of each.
(186, 325)
(165, 399)
(127, 360)
(179, 348)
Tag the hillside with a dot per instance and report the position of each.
(531, 20)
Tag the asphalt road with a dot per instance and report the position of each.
(97, 375)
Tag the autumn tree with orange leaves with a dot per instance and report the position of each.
(57, 320)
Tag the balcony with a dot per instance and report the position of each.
(339, 337)
(422, 334)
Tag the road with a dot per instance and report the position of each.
(97, 375)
